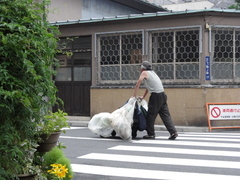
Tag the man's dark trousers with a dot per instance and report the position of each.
(158, 105)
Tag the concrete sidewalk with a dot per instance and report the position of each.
(82, 121)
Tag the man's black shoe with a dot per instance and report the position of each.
(113, 133)
(148, 137)
(134, 137)
(134, 134)
(173, 136)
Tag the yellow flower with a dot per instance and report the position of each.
(58, 170)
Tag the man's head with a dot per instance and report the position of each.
(146, 65)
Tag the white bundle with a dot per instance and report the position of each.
(122, 119)
(119, 120)
(100, 124)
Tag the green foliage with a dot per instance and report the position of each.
(52, 156)
(28, 46)
(236, 5)
(56, 156)
(54, 122)
(28, 148)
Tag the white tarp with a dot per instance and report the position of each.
(120, 120)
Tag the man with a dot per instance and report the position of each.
(157, 102)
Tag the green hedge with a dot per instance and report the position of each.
(28, 45)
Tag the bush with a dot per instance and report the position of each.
(57, 157)
(28, 45)
(52, 156)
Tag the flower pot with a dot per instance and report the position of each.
(48, 142)
(26, 176)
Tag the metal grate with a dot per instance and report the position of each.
(174, 54)
(225, 55)
(119, 56)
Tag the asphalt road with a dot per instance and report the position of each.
(201, 155)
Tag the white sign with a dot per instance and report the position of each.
(224, 112)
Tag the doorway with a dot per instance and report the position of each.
(73, 78)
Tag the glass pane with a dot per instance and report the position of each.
(131, 48)
(63, 74)
(109, 50)
(162, 47)
(222, 70)
(82, 59)
(82, 42)
(237, 73)
(130, 72)
(64, 60)
(237, 48)
(110, 73)
(187, 71)
(164, 71)
(187, 46)
(223, 46)
(82, 73)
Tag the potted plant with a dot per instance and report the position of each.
(50, 129)
(27, 169)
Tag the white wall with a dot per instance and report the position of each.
(104, 8)
(63, 10)
(189, 6)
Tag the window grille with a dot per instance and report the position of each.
(225, 55)
(175, 54)
(119, 56)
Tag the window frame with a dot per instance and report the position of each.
(146, 41)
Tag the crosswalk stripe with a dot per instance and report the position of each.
(188, 143)
(87, 138)
(180, 138)
(184, 145)
(146, 174)
(235, 136)
(232, 134)
(162, 160)
(73, 128)
(208, 139)
(204, 139)
(177, 150)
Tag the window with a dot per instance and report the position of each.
(75, 59)
(175, 54)
(225, 54)
(119, 57)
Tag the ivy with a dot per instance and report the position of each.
(28, 45)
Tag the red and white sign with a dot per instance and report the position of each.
(224, 112)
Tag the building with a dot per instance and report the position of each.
(62, 10)
(182, 5)
(74, 78)
(196, 54)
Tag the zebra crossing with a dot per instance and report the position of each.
(192, 155)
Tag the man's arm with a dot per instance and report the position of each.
(139, 82)
(144, 95)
